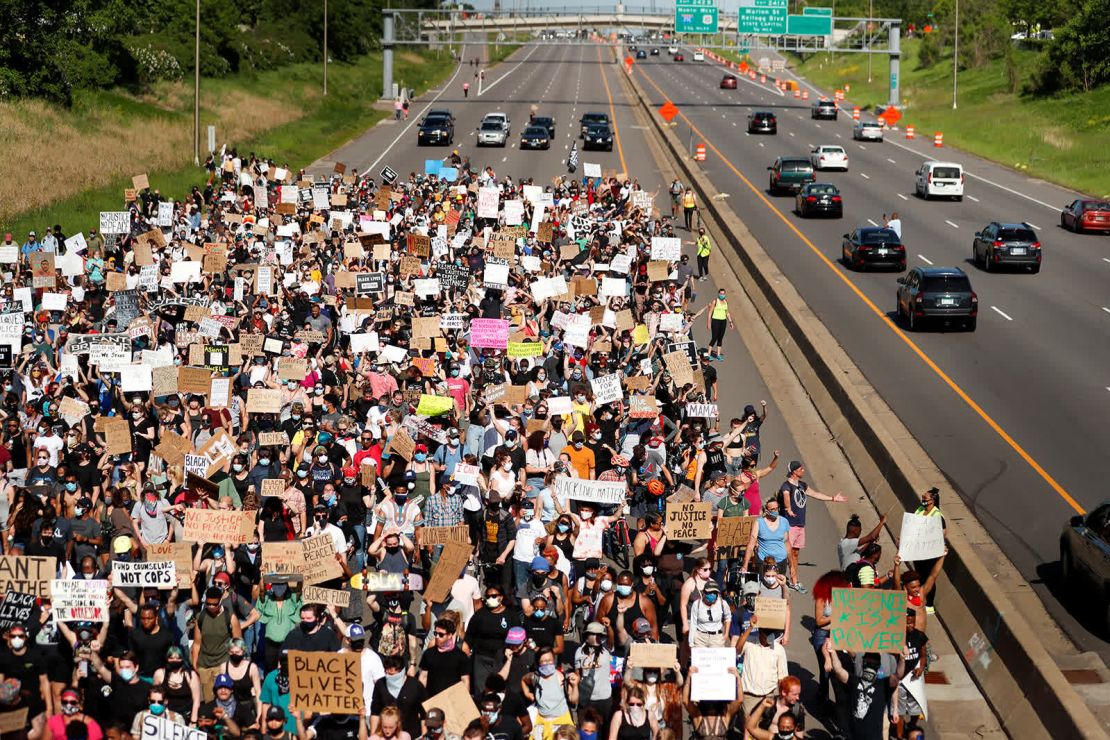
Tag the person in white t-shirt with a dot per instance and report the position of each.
(50, 442)
(529, 532)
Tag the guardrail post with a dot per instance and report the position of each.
(895, 44)
(387, 53)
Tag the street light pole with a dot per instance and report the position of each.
(956, 56)
(870, 38)
(325, 47)
(196, 92)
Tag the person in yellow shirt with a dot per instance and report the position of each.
(688, 208)
(581, 456)
(718, 319)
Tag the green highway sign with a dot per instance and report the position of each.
(763, 17)
(809, 25)
(695, 16)
(817, 11)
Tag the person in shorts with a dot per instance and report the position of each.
(793, 496)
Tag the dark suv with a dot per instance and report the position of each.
(438, 129)
(1006, 244)
(824, 109)
(790, 173)
(936, 292)
(591, 119)
(762, 122)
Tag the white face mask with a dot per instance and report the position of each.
(649, 570)
(606, 585)
(18, 643)
(586, 515)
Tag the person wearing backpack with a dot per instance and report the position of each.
(863, 573)
(215, 627)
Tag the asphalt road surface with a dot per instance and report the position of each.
(1014, 413)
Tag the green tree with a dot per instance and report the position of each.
(1078, 58)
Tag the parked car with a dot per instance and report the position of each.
(598, 136)
(1085, 559)
(1086, 215)
(825, 109)
(535, 137)
(762, 122)
(435, 130)
(867, 131)
(829, 157)
(790, 173)
(819, 198)
(1001, 244)
(493, 133)
(873, 246)
(935, 179)
(728, 82)
(589, 119)
(936, 293)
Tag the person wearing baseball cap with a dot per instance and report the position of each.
(792, 497)
(434, 722)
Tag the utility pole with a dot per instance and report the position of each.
(956, 57)
(870, 37)
(325, 47)
(196, 93)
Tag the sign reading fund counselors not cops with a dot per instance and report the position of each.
(596, 491)
(156, 574)
(328, 683)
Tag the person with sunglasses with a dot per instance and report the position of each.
(72, 711)
(633, 721)
(156, 708)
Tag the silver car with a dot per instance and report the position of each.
(493, 133)
(867, 131)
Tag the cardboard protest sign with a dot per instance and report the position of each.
(922, 537)
(16, 608)
(319, 559)
(180, 553)
(597, 491)
(28, 575)
(690, 521)
(155, 574)
(771, 612)
(653, 655)
(118, 435)
(283, 557)
(443, 535)
(329, 683)
(868, 620)
(402, 444)
(735, 531)
(642, 407)
(219, 526)
(195, 380)
(454, 558)
(267, 439)
(327, 596)
(607, 389)
(678, 364)
(458, 708)
(264, 400)
(78, 600)
(162, 728)
(712, 681)
(13, 722)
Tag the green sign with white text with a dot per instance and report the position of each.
(695, 16)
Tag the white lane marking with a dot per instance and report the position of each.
(1000, 313)
(504, 159)
(791, 133)
(891, 160)
(861, 146)
(490, 86)
(1035, 227)
(872, 222)
(761, 143)
(865, 176)
(1107, 310)
(902, 196)
(1106, 259)
(817, 125)
(925, 259)
(417, 117)
(839, 136)
(973, 198)
(954, 226)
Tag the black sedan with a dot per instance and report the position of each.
(535, 137)
(936, 293)
(545, 122)
(873, 246)
(641, 54)
(762, 122)
(436, 130)
(819, 199)
(598, 136)
(655, 51)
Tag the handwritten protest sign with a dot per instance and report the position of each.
(601, 492)
(489, 333)
(13, 722)
(689, 521)
(922, 537)
(319, 559)
(443, 535)
(454, 558)
(181, 553)
(458, 708)
(702, 410)
(328, 596)
(771, 612)
(607, 389)
(16, 608)
(29, 575)
(868, 620)
(712, 681)
(162, 728)
(329, 683)
(78, 600)
(282, 557)
(155, 574)
(653, 655)
(733, 531)
(219, 525)
(381, 581)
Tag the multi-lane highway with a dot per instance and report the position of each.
(1014, 414)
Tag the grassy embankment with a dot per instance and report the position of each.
(1065, 139)
(68, 165)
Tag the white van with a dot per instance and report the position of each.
(699, 56)
(944, 179)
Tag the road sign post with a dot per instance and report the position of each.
(695, 16)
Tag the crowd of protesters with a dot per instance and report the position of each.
(403, 419)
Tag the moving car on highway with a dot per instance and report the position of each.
(502, 118)
(535, 137)
(1001, 244)
(699, 56)
(939, 179)
(762, 122)
(829, 157)
(598, 136)
(867, 131)
(493, 133)
(819, 199)
(936, 293)
(655, 52)
(1086, 215)
(873, 246)
(590, 119)
(728, 82)
(672, 49)
(641, 54)
(790, 173)
(680, 57)
(1085, 559)
(546, 122)
(825, 109)
(435, 129)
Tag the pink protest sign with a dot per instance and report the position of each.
(490, 333)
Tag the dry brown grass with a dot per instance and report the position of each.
(52, 153)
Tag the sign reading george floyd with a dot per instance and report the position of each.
(328, 683)
(689, 521)
(866, 620)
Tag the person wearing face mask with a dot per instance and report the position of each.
(392, 552)
(581, 457)
(592, 660)
(591, 528)
(26, 662)
(180, 685)
(709, 618)
(447, 456)
(779, 717)
(551, 693)
(42, 473)
(227, 705)
(246, 682)
(543, 625)
(530, 534)
(435, 725)
(496, 724)
(156, 708)
(151, 518)
(423, 472)
(216, 625)
(401, 691)
(486, 633)
(633, 721)
(71, 711)
(398, 512)
(768, 537)
(315, 633)
(322, 524)
(445, 663)
(631, 605)
(48, 442)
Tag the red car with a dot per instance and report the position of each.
(1083, 215)
(679, 58)
(728, 82)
